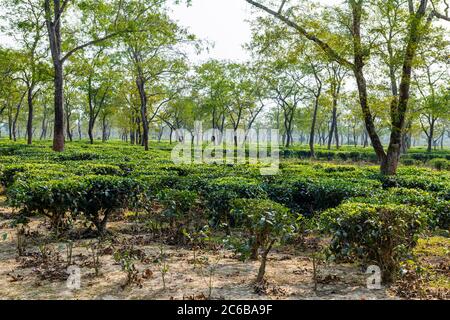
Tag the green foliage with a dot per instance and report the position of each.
(103, 195)
(99, 169)
(383, 234)
(221, 191)
(177, 203)
(436, 208)
(92, 196)
(440, 164)
(114, 177)
(265, 222)
(310, 195)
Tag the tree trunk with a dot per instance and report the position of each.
(79, 129)
(69, 133)
(143, 97)
(10, 125)
(398, 108)
(58, 127)
(16, 117)
(262, 267)
(430, 136)
(91, 131)
(104, 129)
(30, 116)
(313, 128)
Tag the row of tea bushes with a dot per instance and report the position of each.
(358, 154)
(93, 197)
(91, 182)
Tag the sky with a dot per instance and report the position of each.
(222, 22)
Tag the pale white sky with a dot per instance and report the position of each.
(219, 21)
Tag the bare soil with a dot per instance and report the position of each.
(216, 274)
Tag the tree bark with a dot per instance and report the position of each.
(333, 129)
(30, 115)
(58, 127)
(262, 267)
(68, 131)
(144, 114)
(16, 117)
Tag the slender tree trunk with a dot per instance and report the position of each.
(58, 126)
(30, 115)
(44, 124)
(430, 135)
(262, 267)
(104, 129)
(10, 125)
(15, 132)
(69, 133)
(91, 130)
(79, 129)
(333, 123)
(143, 97)
(313, 128)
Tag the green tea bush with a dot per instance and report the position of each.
(96, 197)
(99, 169)
(382, 234)
(157, 182)
(53, 199)
(439, 164)
(422, 181)
(310, 195)
(77, 156)
(265, 222)
(10, 173)
(220, 192)
(436, 208)
(179, 208)
(410, 162)
(100, 196)
(332, 169)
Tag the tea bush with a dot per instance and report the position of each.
(100, 196)
(180, 211)
(96, 197)
(436, 208)
(311, 195)
(99, 169)
(221, 191)
(53, 199)
(383, 234)
(265, 222)
(440, 164)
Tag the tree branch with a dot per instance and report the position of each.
(323, 45)
(90, 43)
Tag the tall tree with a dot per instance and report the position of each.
(99, 21)
(355, 18)
(153, 57)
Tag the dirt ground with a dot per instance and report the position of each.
(41, 273)
(216, 274)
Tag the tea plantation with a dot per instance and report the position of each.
(337, 209)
